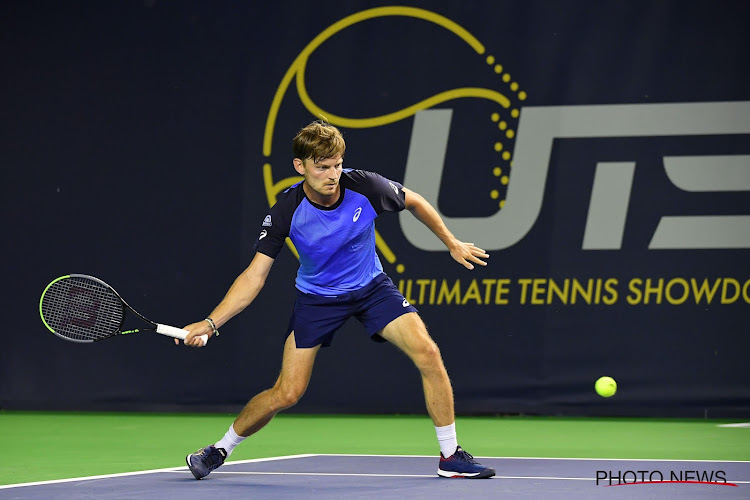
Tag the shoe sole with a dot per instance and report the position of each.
(466, 475)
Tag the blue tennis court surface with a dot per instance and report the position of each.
(378, 476)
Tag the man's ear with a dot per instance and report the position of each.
(299, 166)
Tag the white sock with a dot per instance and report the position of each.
(230, 440)
(447, 439)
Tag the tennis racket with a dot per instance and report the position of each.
(85, 309)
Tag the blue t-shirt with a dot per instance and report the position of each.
(336, 244)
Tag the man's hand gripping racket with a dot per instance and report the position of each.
(195, 333)
(85, 309)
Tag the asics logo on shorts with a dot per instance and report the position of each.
(356, 214)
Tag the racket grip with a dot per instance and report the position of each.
(177, 333)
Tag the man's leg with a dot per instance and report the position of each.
(296, 369)
(409, 334)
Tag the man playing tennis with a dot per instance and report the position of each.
(330, 218)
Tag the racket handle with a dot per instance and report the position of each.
(177, 333)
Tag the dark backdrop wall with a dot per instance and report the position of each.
(598, 150)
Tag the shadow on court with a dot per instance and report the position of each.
(371, 476)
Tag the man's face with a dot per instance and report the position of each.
(322, 177)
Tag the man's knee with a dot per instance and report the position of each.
(288, 394)
(427, 355)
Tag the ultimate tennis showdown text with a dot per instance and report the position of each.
(574, 291)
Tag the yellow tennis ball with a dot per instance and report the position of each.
(606, 387)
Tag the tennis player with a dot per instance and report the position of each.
(330, 218)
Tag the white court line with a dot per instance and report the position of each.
(544, 458)
(150, 471)
(350, 474)
(343, 474)
(743, 424)
(183, 468)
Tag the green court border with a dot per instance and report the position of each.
(57, 445)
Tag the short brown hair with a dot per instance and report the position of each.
(318, 141)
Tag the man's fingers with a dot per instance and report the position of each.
(475, 258)
(478, 251)
(469, 252)
(196, 341)
(189, 341)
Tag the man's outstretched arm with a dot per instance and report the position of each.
(463, 253)
(242, 292)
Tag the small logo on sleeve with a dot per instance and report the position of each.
(395, 189)
(267, 221)
(357, 214)
(263, 234)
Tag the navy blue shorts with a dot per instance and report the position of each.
(316, 318)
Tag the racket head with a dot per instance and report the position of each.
(81, 308)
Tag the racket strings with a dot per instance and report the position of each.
(82, 309)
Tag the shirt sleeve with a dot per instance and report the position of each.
(276, 226)
(384, 194)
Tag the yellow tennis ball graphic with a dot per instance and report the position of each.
(605, 387)
(503, 114)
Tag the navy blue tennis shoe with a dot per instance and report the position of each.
(462, 464)
(203, 461)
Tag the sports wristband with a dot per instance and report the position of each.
(213, 327)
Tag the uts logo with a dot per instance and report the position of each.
(526, 135)
(539, 127)
(267, 221)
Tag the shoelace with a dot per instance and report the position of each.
(466, 456)
(213, 458)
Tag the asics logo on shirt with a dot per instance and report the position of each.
(395, 189)
(356, 214)
(263, 234)
(405, 303)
